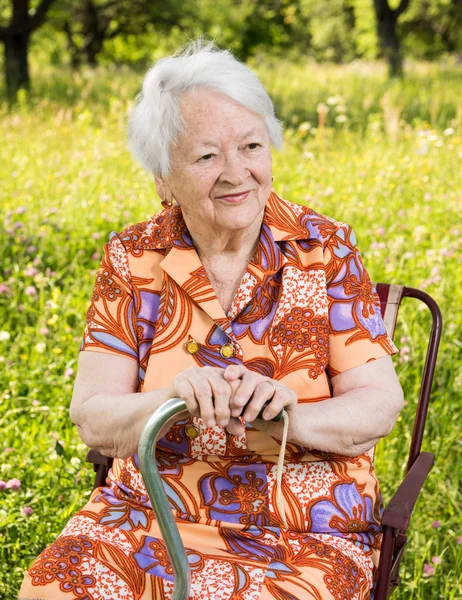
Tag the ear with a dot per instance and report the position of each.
(163, 189)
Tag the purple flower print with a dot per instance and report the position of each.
(152, 557)
(239, 496)
(348, 514)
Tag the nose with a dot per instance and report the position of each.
(234, 170)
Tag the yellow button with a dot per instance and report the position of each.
(192, 347)
(227, 350)
(192, 431)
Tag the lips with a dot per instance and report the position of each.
(234, 198)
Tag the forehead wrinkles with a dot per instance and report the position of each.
(212, 117)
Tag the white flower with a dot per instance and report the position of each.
(4, 335)
(341, 118)
(40, 347)
(448, 131)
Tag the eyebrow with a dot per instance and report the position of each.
(205, 143)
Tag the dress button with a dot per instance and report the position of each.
(192, 347)
(227, 350)
(192, 431)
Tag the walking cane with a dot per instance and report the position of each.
(160, 504)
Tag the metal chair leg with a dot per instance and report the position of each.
(158, 497)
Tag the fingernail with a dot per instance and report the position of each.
(210, 423)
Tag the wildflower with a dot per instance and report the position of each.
(437, 560)
(20, 210)
(13, 484)
(427, 197)
(30, 272)
(459, 539)
(436, 524)
(40, 347)
(17, 225)
(380, 231)
(31, 290)
(35, 402)
(4, 289)
(96, 235)
(44, 330)
(428, 570)
(27, 511)
(60, 498)
(8, 450)
(4, 335)
(31, 249)
(69, 372)
(2, 485)
(95, 256)
(448, 131)
(340, 118)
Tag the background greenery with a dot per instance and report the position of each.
(388, 161)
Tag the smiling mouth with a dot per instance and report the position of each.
(234, 198)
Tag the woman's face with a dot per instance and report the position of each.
(221, 163)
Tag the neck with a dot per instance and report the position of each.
(224, 242)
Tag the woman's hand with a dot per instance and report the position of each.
(253, 390)
(207, 395)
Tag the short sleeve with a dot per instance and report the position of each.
(357, 333)
(111, 320)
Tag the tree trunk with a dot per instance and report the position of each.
(16, 62)
(390, 45)
(387, 19)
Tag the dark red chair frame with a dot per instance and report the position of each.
(397, 514)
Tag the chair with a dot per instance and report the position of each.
(397, 514)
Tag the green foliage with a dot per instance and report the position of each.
(391, 168)
(138, 31)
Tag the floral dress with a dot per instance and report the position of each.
(305, 311)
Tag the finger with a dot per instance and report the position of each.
(203, 395)
(235, 427)
(263, 391)
(234, 372)
(221, 391)
(244, 392)
(184, 390)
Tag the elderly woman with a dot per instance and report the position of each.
(229, 298)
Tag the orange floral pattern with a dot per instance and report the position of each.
(305, 311)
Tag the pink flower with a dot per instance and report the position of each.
(31, 249)
(27, 511)
(60, 498)
(2, 485)
(69, 372)
(8, 450)
(35, 403)
(95, 255)
(436, 560)
(96, 235)
(13, 484)
(4, 289)
(44, 330)
(436, 524)
(20, 210)
(459, 539)
(30, 272)
(428, 570)
(31, 290)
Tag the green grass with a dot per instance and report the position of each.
(391, 169)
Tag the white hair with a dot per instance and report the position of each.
(155, 120)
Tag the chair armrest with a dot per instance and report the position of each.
(398, 512)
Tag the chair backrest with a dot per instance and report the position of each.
(390, 296)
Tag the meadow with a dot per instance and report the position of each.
(387, 160)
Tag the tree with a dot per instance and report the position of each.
(16, 37)
(387, 19)
(89, 23)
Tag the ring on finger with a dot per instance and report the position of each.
(274, 388)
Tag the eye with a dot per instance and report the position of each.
(253, 146)
(206, 157)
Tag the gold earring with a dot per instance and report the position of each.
(167, 203)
